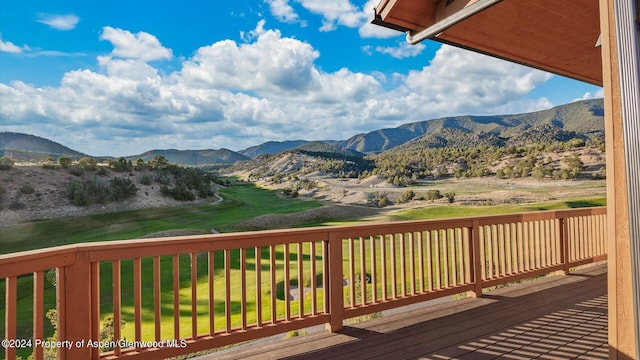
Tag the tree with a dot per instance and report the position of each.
(433, 195)
(451, 196)
(120, 165)
(64, 161)
(406, 196)
(158, 162)
(140, 165)
(88, 163)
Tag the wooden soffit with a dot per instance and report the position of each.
(558, 36)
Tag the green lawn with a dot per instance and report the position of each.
(446, 211)
(241, 202)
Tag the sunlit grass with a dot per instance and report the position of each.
(453, 211)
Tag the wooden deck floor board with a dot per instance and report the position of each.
(562, 317)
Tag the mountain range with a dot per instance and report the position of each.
(577, 119)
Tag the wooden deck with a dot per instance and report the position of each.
(558, 317)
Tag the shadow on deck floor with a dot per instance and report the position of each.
(559, 317)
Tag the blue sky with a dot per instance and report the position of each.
(123, 77)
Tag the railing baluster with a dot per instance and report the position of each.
(212, 299)
(326, 274)
(429, 255)
(539, 236)
(420, 260)
(272, 282)
(502, 249)
(532, 244)
(243, 287)
(506, 228)
(486, 231)
(438, 265)
(117, 311)
(403, 266)
(412, 263)
(194, 295)
(374, 271)
(38, 313)
(383, 266)
(95, 307)
(287, 284)
(460, 255)
(352, 276)
(446, 268)
(227, 288)
(137, 298)
(483, 249)
(392, 254)
(363, 272)
(466, 255)
(495, 250)
(176, 296)
(11, 311)
(300, 282)
(312, 271)
(548, 242)
(156, 297)
(258, 266)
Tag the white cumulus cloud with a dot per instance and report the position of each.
(142, 45)
(9, 47)
(59, 22)
(403, 50)
(282, 11)
(238, 94)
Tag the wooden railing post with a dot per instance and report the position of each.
(74, 308)
(476, 258)
(336, 285)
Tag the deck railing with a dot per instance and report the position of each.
(157, 298)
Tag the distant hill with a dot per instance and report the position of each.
(323, 149)
(24, 147)
(193, 157)
(584, 118)
(271, 147)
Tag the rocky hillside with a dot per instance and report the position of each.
(585, 118)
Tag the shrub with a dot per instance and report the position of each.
(76, 170)
(88, 163)
(77, 194)
(451, 196)
(146, 180)
(406, 196)
(121, 188)
(179, 193)
(27, 189)
(64, 161)
(120, 165)
(6, 163)
(433, 195)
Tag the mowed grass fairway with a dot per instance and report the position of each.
(241, 202)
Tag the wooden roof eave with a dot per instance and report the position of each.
(558, 45)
